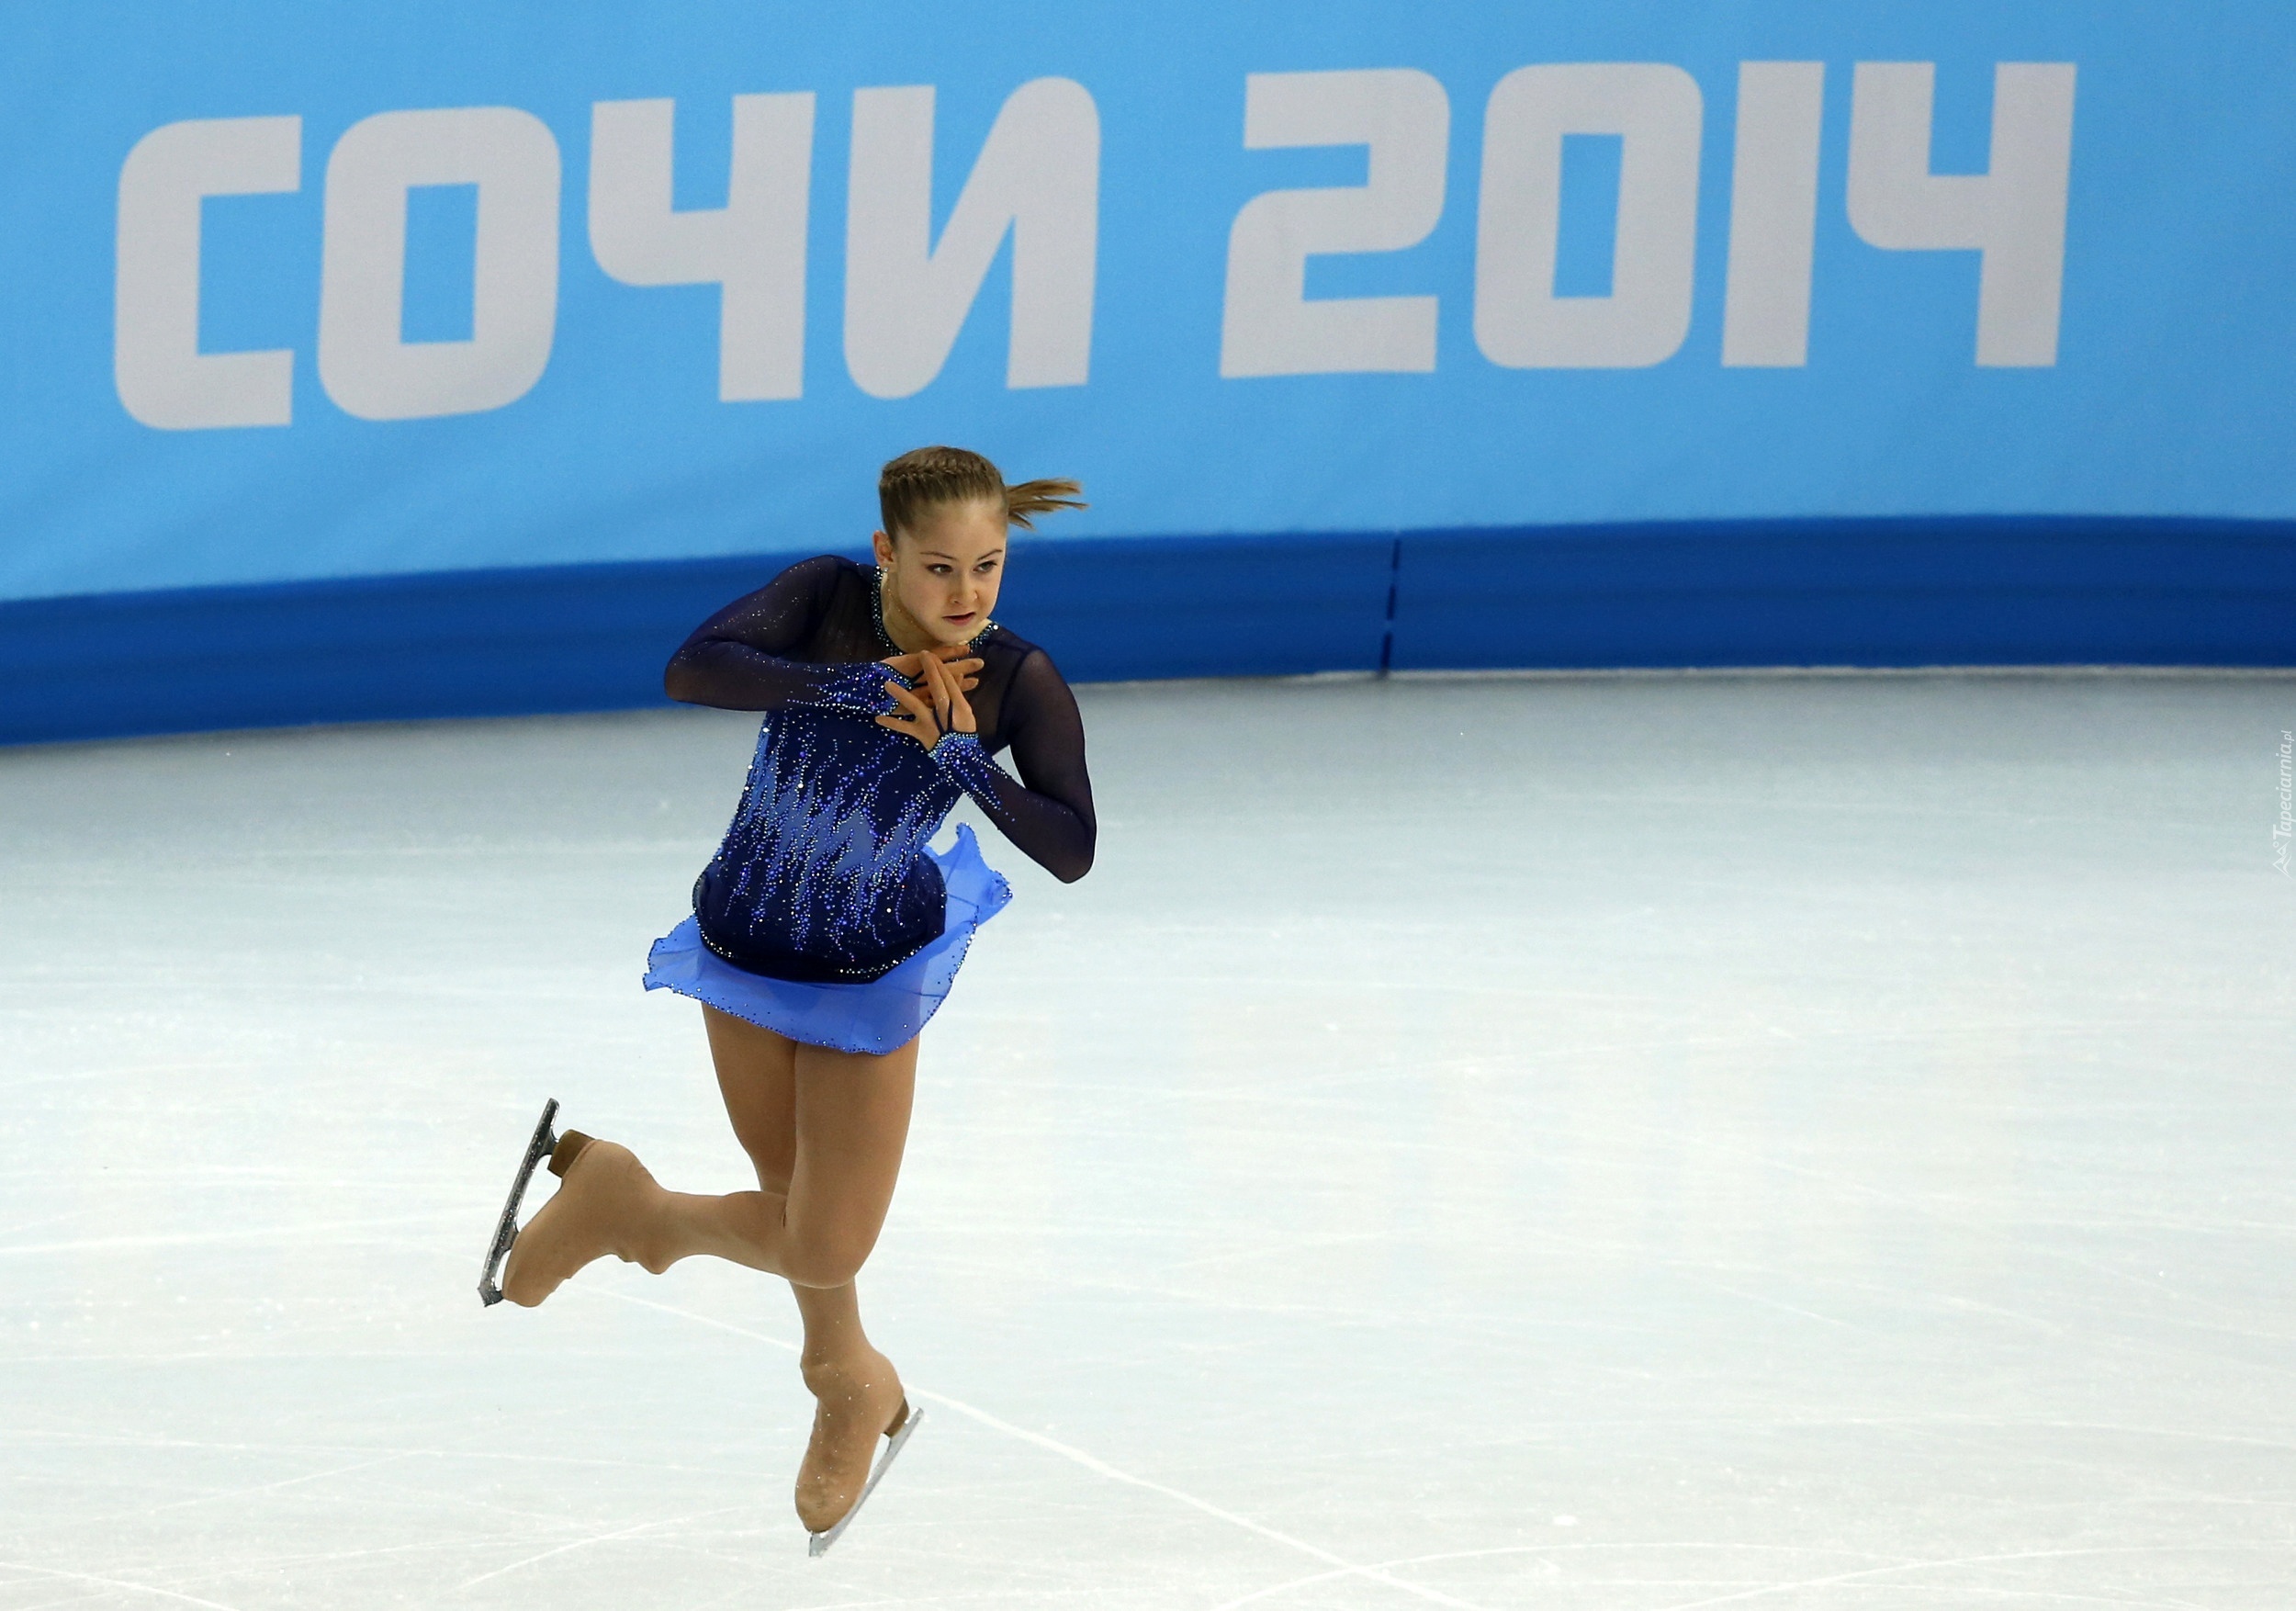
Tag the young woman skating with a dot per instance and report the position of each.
(825, 930)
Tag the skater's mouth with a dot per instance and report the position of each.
(964, 620)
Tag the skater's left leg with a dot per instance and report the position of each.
(855, 1387)
(757, 1073)
(852, 1127)
(824, 1130)
(857, 1393)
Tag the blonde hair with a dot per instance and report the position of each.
(927, 478)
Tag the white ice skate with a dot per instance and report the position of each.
(544, 1142)
(819, 1543)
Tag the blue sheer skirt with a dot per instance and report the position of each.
(880, 1016)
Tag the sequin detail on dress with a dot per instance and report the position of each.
(859, 690)
(965, 763)
(822, 873)
(823, 879)
(875, 1018)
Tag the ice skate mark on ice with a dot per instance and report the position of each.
(1272, 1590)
(185, 1574)
(19, 1228)
(596, 1538)
(1097, 1466)
(379, 1460)
(1695, 1274)
(330, 1230)
(1287, 1249)
(1945, 1563)
(115, 1440)
(1344, 1568)
(1739, 1594)
(114, 1582)
(1945, 1214)
(526, 1518)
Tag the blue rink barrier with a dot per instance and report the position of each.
(1912, 592)
(2006, 591)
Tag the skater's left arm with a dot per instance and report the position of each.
(1047, 812)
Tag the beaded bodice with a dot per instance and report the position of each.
(822, 873)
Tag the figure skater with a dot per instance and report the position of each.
(825, 929)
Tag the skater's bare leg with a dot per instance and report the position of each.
(757, 1073)
(842, 1148)
(611, 1203)
(856, 1389)
(852, 1119)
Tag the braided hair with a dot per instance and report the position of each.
(927, 477)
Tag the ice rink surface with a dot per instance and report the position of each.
(1567, 1143)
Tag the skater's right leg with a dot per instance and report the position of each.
(839, 1147)
(757, 1074)
(611, 1203)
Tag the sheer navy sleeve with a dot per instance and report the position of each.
(740, 659)
(1048, 812)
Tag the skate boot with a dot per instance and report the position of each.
(606, 1204)
(854, 1410)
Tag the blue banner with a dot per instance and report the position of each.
(291, 293)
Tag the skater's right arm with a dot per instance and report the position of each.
(740, 657)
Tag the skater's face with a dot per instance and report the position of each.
(942, 571)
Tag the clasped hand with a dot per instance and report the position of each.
(947, 673)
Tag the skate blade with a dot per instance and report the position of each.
(817, 1544)
(506, 1228)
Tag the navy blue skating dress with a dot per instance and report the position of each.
(826, 914)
